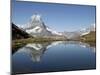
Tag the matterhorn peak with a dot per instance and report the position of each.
(36, 17)
(35, 20)
(36, 27)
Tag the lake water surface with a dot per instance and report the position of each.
(55, 56)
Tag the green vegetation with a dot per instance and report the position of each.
(21, 38)
(89, 38)
(17, 43)
(21, 42)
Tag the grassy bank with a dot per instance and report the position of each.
(21, 42)
(91, 37)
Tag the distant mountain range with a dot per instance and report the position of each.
(37, 28)
(78, 34)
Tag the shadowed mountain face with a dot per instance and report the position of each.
(18, 33)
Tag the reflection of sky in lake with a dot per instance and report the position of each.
(54, 56)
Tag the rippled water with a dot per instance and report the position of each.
(55, 56)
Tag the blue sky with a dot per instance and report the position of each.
(59, 17)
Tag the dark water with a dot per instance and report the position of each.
(56, 56)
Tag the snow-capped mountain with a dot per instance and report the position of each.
(54, 32)
(84, 31)
(37, 27)
(71, 35)
(77, 34)
(87, 30)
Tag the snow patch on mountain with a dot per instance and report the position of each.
(35, 30)
(53, 32)
(86, 31)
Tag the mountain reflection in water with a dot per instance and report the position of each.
(36, 50)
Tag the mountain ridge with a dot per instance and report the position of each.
(37, 28)
(18, 33)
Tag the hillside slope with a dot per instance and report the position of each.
(17, 33)
(91, 37)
